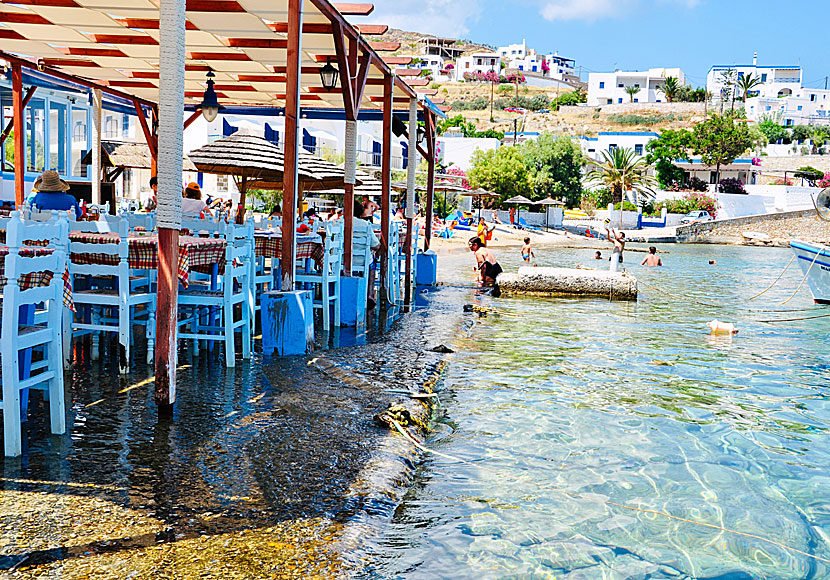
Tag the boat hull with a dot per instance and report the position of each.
(818, 276)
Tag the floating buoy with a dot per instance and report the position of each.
(718, 327)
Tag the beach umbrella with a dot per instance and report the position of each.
(258, 163)
(480, 194)
(519, 200)
(547, 202)
(448, 186)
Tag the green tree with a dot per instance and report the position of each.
(719, 140)
(501, 170)
(555, 166)
(631, 91)
(621, 170)
(664, 151)
(769, 125)
(468, 128)
(746, 83)
(569, 99)
(670, 88)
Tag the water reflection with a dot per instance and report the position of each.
(631, 404)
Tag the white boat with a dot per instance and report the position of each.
(814, 260)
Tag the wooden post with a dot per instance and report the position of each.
(10, 125)
(154, 158)
(169, 210)
(386, 185)
(95, 170)
(410, 195)
(19, 137)
(243, 191)
(430, 129)
(290, 155)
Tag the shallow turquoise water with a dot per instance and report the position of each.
(564, 407)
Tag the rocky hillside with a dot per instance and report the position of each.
(409, 41)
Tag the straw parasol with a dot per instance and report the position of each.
(547, 202)
(121, 156)
(519, 200)
(480, 194)
(258, 163)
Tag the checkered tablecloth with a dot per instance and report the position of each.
(199, 254)
(34, 279)
(308, 246)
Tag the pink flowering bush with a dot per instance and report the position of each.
(756, 161)
(783, 181)
(456, 171)
(493, 77)
(824, 181)
(691, 201)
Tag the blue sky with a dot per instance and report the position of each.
(603, 35)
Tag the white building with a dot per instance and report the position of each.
(609, 88)
(803, 107)
(776, 81)
(433, 63)
(610, 140)
(520, 57)
(477, 62)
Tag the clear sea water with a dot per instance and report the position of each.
(570, 412)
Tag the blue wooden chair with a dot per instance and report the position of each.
(109, 297)
(328, 277)
(19, 336)
(230, 293)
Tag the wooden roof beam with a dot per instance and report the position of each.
(384, 46)
(355, 9)
(149, 23)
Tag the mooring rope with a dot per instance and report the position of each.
(783, 546)
(777, 279)
(807, 273)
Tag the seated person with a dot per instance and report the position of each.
(369, 209)
(310, 213)
(276, 212)
(51, 194)
(362, 226)
(153, 201)
(192, 203)
(398, 217)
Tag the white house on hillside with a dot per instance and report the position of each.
(520, 57)
(609, 88)
(803, 107)
(610, 140)
(477, 62)
(776, 81)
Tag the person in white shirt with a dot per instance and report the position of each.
(192, 203)
(360, 225)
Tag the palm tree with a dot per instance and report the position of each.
(670, 88)
(746, 83)
(622, 170)
(631, 92)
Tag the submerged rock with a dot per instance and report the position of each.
(569, 282)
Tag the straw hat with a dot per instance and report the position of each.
(49, 181)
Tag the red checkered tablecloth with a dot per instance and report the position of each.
(37, 278)
(270, 246)
(199, 254)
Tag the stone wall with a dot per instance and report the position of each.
(773, 168)
(781, 227)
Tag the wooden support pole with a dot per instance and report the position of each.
(10, 125)
(19, 136)
(154, 159)
(290, 153)
(429, 122)
(412, 158)
(348, 197)
(386, 186)
(195, 115)
(243, 192)
(169, 211)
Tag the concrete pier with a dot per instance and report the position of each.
(569, 282)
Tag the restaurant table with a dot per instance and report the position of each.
(268, 244)
(197, 254)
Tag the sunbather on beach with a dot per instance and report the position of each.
(486, 265)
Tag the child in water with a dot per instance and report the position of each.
(527, 252)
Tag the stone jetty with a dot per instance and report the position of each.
(569, 282)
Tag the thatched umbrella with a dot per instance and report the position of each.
(258, 163)
(546, 202)
(519, 200)
(480, 194)
(122, 156)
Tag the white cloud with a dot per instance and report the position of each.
(449, 18)
(589, 10)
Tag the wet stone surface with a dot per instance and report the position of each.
(272, 469)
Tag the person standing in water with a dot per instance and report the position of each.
(486, 265)
(527, 252)
(618, 239)
(652, 259)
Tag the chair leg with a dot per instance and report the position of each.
(66, 336)
(337, 303)
(151, 332)
(230, 352)
(247, 333)
(11, 407)
(124, 338)
(57, 405)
